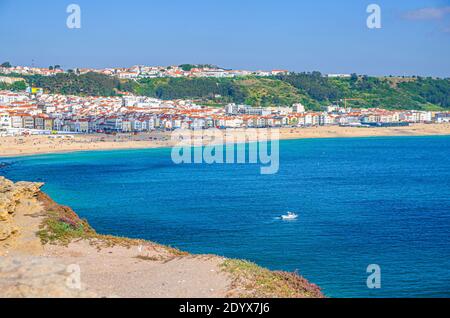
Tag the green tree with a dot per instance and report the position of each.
(19, 86)
(187, 67)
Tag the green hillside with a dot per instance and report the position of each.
(264, 92)
(364, 91)
(311, 89)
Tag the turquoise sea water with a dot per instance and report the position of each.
(360, 201)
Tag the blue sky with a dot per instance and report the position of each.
(325, 35)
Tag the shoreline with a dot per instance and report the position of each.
(25, 146)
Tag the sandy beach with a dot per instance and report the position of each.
(33, 145)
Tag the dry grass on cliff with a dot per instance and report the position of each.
(259, 282)
(61, 226)
(55, 230)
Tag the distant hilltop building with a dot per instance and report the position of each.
(25, 70)
(280, 72)
(339, 75)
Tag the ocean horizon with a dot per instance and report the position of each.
(360, 201)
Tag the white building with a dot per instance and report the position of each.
(425, 117)
(298, 108)
(16, 121)
(325, 119)
(137, 125)
(7, 97)
(231, 109)
(443, 118)
(82, 126)
(126, 126)
(113, 123)
(339, 75)
(5, 121)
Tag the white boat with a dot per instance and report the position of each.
(289, 216)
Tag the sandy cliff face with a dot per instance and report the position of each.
(23, 273)
(12, 196)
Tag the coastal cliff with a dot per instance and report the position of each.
(46, 250)
(11, 196)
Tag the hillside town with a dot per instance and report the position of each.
(141, 71)
(27, 113)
